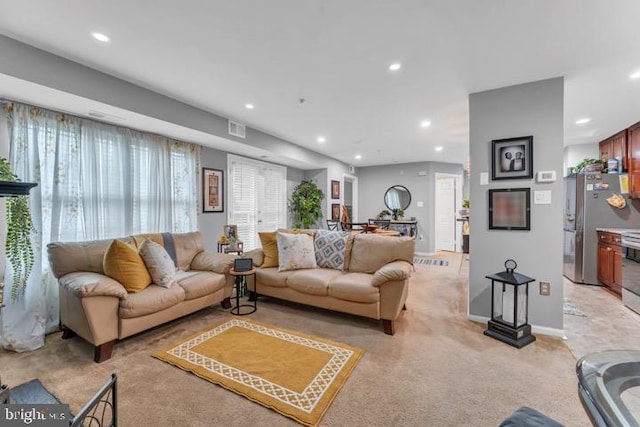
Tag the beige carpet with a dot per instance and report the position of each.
(438, 370)
(295, 374)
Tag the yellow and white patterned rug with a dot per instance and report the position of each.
(294, 374)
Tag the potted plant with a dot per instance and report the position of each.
(398, 214)
(306, 204)
(384, 214)
(589, 165)
(18, 249)
(465, 208)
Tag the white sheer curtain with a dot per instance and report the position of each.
(95, 181)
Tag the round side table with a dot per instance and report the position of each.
(241, 285)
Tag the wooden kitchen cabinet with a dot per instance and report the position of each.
(610, 261)
(634, 161)
(615, 147)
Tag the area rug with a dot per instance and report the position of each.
(426, 261)
(569, 307)
(294, 374)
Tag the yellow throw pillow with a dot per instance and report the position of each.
(123, 263)
(270, 249)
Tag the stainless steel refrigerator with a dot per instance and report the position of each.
(586, 209)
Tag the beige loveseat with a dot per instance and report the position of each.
(99, 309)
(374, 284)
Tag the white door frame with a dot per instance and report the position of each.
(354, 195)
(458, 205)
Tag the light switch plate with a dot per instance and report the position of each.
(484, 178)
(421, 204)
(542, 197)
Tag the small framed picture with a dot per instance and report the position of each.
(212, 190)
(510, 209)
(335, 212)
(335, 189)
(512, 158)
(231, 231)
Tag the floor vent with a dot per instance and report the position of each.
(237, 129)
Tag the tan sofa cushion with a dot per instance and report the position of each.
(151, 300)
(370, 252)
(312, 282)
(65, 258)
(85, 284)
(397, 270)
(199, 284)
(355, 287)
(272, 277)
(187, 246)
(209, 261)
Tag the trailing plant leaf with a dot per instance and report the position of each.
(306, 204)
(19, 251)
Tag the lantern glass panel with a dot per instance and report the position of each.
(522, 306)
(508, 299)
(497, 301)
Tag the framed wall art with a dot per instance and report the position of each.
(335, 212)
(212, 190)
(335, 189)
(512, 158)
(510, 209)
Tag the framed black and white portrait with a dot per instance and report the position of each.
(512, 158)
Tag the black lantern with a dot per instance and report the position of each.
(509, 307)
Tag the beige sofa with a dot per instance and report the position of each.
(375, 282)
(100, 310)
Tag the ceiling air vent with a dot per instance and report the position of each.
(237, 129)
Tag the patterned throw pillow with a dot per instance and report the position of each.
(158, 262)
(330, 248)
(295, 251)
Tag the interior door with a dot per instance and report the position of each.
(445, 213)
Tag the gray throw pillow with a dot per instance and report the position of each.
(160, 265)
(330, 248)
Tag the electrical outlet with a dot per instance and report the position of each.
(545, 288)
(421, 237)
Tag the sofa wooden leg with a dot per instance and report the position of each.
(226, 303)
(67, 333)
(404, 307)
(389, 326)
(103, 352)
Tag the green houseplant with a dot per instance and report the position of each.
(384, 214)
(398, 214)
(586, 162)
(306, 204)
(18, 248)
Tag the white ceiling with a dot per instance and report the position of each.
(219, 55)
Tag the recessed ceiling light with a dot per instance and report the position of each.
(425, 124)
(395, 66)
(358, 157)
(583, 121)
(635, 75)
(322, 139)
(100, 37)
(439, 148)
(249, 106)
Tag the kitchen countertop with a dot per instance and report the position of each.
(617, 230)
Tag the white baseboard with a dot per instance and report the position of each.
(425, 253)
(542, 330)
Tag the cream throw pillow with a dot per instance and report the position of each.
(295, 251)
(158, 262)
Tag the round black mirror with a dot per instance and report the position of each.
(397, 197)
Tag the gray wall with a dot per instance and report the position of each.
(375, 180)
(529, 109)
(211, 224)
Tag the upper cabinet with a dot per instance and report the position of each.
(615, 147)
(634, 161)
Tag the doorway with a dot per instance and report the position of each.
(350, 195)
(448, 201)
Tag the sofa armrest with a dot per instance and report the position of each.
(87, 284)
(257, 255)
(209, 261)
(397, 270)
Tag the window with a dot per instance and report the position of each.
(257, 199)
